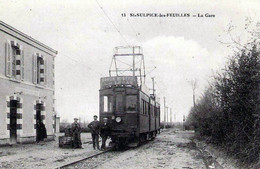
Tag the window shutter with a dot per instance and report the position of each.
(45, 70)
(8, 59)
(34, 69)
(17, 64)
(22, 64)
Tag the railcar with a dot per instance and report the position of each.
(133, 113)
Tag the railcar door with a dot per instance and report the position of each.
(13, 121)
(119, 102)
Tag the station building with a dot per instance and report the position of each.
(26, 86)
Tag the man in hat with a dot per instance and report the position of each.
(76, 129)
(104, 132)
(95, 127)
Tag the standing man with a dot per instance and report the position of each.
(76, 129)
(95, 127)
(41, 132)
(38, 132)
(104, 132)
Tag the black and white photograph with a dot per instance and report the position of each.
(133, 84)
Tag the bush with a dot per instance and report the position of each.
(228, 113)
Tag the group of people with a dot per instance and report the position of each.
(102, 129)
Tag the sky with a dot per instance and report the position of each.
(84, 33)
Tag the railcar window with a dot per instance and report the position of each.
(105, 103)
(151, 110)
(147, 108)
(143, 106)
(108, 103)
(131, 103)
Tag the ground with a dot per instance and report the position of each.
(42, 155)
(170, 149)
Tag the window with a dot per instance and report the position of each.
(14, 60)
(151, 109)
(141, 107)
(147, 108)
(105, 104)
(39, 69)
(14, 52)
(144, 105)
(108, 104)
(131, 103)
(119, 103)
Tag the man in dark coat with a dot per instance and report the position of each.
(105, 130)
(76, 129)
(41, 132)
(95, 127)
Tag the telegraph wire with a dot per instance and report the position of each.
(127, 69)
(136, 34)
(70, 58)
(151, 70)
(100, 74)
(75, 60)
(124, 62)
(112, 22)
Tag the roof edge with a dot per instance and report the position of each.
(27, 36)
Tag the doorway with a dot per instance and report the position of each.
(38, 112)
(13, 121)
(38, 121)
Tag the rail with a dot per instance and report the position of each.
(83, 159)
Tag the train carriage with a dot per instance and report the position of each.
(133, 113)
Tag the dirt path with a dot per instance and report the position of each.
(173, 150)
(169, 150)
(42, 155)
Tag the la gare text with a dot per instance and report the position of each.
(199, 15)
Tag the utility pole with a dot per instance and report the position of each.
(164, 108)
(153, 85)
(170, 116)
(133, 61)
(183, 122)
(194, 86)
(167, 116)
(194, 98)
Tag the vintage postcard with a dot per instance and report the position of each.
(129, 84)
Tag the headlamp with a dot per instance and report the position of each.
(118, 119)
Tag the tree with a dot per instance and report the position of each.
(228, 113)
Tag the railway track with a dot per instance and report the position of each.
(83, 159)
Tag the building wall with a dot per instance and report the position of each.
(57, 124)
(29, 92)
(29, 51)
